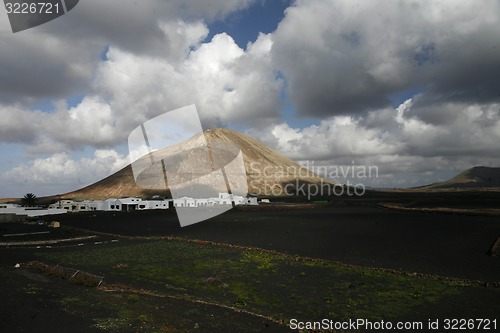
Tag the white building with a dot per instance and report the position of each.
(203, 202)
(112, 204)
(128, 204)
(225, 199)
(94, 205)
(69, 205)
(81, 206)
(213, 201)
(155, 204)
(78, 206)
(228, 199)
(252, 201)
(238, 200)
(185, 202)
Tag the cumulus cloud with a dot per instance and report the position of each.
(31, 70)
(88, 124)
(62, 172)
(406, 150)
(64, 63)
(229, 85)
(342, 57)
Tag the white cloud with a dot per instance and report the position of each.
(59, 58)
(345, 56)
(227, 83)
(62, 171)
(405, 149)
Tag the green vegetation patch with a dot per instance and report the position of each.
(275, 285)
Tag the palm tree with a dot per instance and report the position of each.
(29, 200)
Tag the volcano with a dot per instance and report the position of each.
(474, 178)
(268, 172)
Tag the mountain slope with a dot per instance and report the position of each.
(477, 177)
(268, 172)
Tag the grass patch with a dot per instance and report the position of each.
(263, 260)
(271, 284)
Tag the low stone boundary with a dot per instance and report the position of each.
(46, 242)
(74, 276)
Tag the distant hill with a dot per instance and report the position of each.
(268, 171)
(476, 177)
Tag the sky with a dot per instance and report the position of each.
(409, 87)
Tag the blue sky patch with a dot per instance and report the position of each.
(244, 26)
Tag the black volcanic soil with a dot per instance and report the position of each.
(35, 303)
(442, 244)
